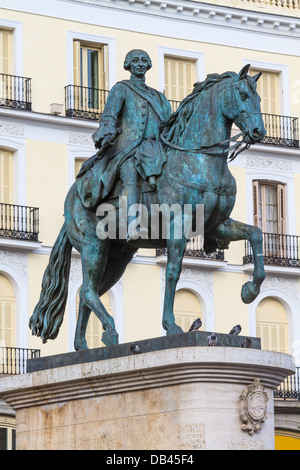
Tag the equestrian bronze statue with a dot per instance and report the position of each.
(149, 157)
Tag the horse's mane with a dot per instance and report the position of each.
(177, 121)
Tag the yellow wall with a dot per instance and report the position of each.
(142, 308)
(47, 185)
(229, 308)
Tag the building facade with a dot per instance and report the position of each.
(58, 61)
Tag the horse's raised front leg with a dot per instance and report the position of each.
(232, 230)
(175, 254)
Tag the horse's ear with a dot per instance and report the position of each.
(256, 77)
(243, 73)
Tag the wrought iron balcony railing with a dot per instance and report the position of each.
(278, 250)
(84, 102)
(19, 222)
(194, 249)
(280, 130)
(15, 92)
(290, 388)
(13, 361)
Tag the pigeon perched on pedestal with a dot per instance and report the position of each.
(135, 349)
(196, 325)
(247, 343)
(212, 339)
(235, 330)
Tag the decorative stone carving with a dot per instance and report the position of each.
(78, 138)
(12, 129)
(253, 407)
(288, 285)
(16, 260)
(269, 163)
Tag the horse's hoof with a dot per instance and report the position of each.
(248, 293)
(174, 330)
(110, 338)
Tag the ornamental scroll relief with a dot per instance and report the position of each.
(253, 407)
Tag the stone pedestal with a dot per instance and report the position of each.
(183, 398)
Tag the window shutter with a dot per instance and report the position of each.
(268, 90)
(104, 65)
(78, 163)
(6, 51)
(76, 63)
(6, 177)
(255, 204)
(281, 208)
(179, 77)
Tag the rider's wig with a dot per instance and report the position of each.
(131, 53)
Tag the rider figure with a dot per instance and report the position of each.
(140, 112)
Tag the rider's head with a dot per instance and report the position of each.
(137, 62)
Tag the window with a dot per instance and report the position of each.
(94, 329)
(78, 163)
(269, 206)
(91, 73)
(7, 313)
(6, 177)
(7, 438)
(6, 51)
(186, 308)
(272, 325)
(268, 90)
(179, 77)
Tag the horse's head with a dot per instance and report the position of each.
(243, 106)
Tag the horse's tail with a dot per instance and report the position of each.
(48, 314)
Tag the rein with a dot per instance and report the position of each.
(204, 148)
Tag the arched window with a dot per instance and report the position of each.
(186, 308)
(94, 329)
(272, 325)
(7, 313)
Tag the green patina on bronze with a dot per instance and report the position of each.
(152, 156)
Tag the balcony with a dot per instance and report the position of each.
(280, 130)
(194, 249)
(84, 102)
(278, 250)
(290, 388)
(15, 92)
(19, 222)
(13, 361)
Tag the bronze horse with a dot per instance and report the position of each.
(197, 143)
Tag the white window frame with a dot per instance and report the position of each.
(17, 29)
(110, 42)
(273, 177)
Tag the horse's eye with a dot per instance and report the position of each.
(244, 96)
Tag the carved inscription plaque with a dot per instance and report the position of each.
(193, 436)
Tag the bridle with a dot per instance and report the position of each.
(206, 148)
